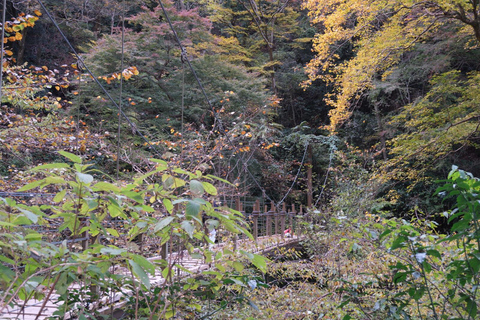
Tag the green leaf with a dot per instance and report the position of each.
(105, 186)
(238, 266)
(219, 179)
(51, 166)
(85, 178)
(30, 215)
(188, 227)
(71, 156)
(168, 205)
(60, 196)
(209, 188)
(163, 223)
(259, 262)
(112, 250)
(145, 264)
(192, 208)
(134, 196)
(196, 187)
(6, 224)
(398, 242)
(140, 273)
(113, 232)
(114, 210)
(434, 253)
(31, 185)
(33, 236)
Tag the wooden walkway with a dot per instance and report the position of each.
(31, 309)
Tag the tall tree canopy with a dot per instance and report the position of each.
(379, 33)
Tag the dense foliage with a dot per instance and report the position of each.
(357, 107)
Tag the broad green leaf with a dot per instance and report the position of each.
(259, 262)
(33, 236)
(71, 156)
(178, 183)
(163, 223)
(60, 196)
(31, 185)
(188, 227)
(238, 266)
(30, 215)
(196, 187)
(168, 205)
(140, 273)
(105, 186)
(144, 263)
(113, 232)
(85, 178)
(219, 179)
(51, 166)
(114, 210)
(54, 180)
(167, 181)
(7, 224)
(112, 251)
(134, 196)
(192, 208)
(209, 188)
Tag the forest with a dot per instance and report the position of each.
(128, 127)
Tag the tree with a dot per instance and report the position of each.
(380, 34)
(32, 124)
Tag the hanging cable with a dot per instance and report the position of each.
(132, 125)
(332, 151)
(2, 48)
(183, 109)
(121, 91)
(220, 124)
(298, 173)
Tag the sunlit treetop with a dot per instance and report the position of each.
(379, 32)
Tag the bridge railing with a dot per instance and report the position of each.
(264, 221)
(270, 221)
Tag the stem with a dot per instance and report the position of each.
(45, 300)
(3, 305)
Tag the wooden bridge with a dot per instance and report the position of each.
(268, 228)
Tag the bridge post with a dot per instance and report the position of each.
(275, 218)
(269, 219)
(238, 207)
(291, 220)
(164, 251)
(283, 213)
(255, 214)
(299, 218)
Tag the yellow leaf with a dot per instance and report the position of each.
(18, 36)
(8, 52)
(38, 13)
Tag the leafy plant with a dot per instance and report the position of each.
(106, 219)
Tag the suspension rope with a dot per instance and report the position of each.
(2, 48)
(298, 173)
(333, 148)
(132, 125)
(121, 92)
(202, 89)
(183, 109)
